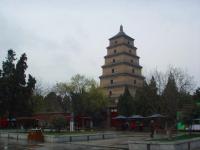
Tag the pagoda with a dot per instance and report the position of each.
(121, 68)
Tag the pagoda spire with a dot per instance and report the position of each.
(121, 28)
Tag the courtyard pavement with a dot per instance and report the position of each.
(119, 143)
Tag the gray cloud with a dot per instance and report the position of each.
(62, 38)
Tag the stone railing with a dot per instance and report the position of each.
(192, 144)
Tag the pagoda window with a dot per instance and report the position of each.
(131, 60)
(113, 60)
(111, 81)
(129, 50)
(135, 81)
(115, 42)
(115, 51)
(133, 71)
(110, 93)
(113, 70)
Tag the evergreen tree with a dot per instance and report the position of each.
(171, 99)
(1, 93)
(196, 100)
(7, 82)
(141, 97)
(20, 76)
(196, 95)
(126, 104)
(0, 73)
(53, 103)
(153, 98)
(15, 92)
(8, 65)
(147, 99)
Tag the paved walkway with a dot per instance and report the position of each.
(119, 143)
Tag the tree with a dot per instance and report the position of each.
(160, 79)
(196, 95)
(153, 98)
(58, 122)
(141, 97)
(147, 100)
(21, 100)
(126, 104)
(53, 103)
(82, 96)
(20, 76)
(96, 104)
(8, 65)
(80, 83)
(78, 87)
(171, 99)
(38, 103)
(15, 95)
(184, 82)
(196, 100)
(7, 82)
(64, 90)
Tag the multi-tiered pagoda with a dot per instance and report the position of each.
(121, 68)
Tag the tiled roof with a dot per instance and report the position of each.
(120, 34)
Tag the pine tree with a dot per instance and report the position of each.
(147, 99)
(126, 104)
(20, 76)
(142, 107)
(171, 98)
(7, 81)
(196, 95)
(8, 65)
(153, 98)
(15, 92)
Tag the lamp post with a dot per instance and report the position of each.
(71, 123)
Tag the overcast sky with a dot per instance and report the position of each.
(62, 38)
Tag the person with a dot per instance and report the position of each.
(132, 125)
(126, 125)
(152, 128)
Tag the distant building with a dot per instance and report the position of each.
(121, 67)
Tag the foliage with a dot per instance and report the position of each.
(172, 94)
(82, 96)
(58, 122)
(49, 103)
(15, 91)
(80, 83)
(196, 100)
(184, 82)
(196, 95)
(147, 100)
(38, 103)
(170, 97)
(53, 103)
(126, 104)
(168, 101)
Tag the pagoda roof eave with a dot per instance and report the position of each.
(122, 74)
(121, 34)
(120, 44)
(122, 53)
(121, 63)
